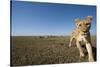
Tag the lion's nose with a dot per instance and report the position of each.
(85, 30)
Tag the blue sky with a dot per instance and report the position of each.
(34, 18)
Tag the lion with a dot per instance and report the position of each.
(82, 33)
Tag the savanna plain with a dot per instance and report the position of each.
(37, 50)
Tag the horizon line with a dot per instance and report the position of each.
(48, 35)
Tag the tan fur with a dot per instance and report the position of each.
(81, 33)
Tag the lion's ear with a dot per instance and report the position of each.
(89, 19)
(77, 20)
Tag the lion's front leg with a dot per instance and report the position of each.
(90, 54)
(70, 43)
(80, 49)
(89, 49)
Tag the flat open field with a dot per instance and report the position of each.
(36, 50)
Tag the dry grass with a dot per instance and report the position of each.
(36, 50)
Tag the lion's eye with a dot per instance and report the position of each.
(79, 24)
(88, 25)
